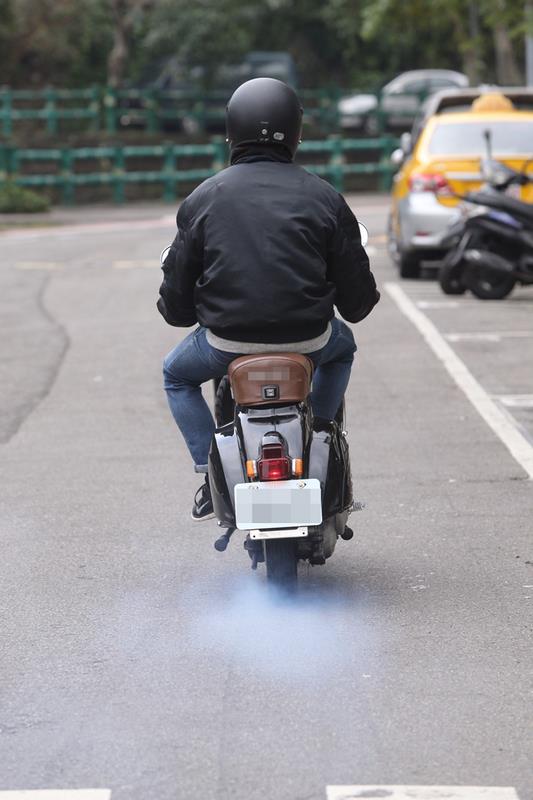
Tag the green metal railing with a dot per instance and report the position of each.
(50, 106)
(110, 166)
(104, 108)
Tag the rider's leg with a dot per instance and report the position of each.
(333, 366)
(185, 368)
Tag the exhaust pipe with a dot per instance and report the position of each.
(486, 260)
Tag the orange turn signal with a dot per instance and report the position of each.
(297, 467)
(251, 469)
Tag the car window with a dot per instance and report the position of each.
(442, 83)
(407, 87)
(509, 137)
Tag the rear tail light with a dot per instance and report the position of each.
(429, 182)
(273, 464)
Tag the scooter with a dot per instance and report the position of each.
(276, 474)
(491, 248)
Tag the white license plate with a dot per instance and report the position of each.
(278, 504)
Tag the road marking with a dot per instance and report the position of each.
(138, 264)
(515, 400)
(437, 304)
(60, 231)
(57, 794)
(494, 336)
(47, 265)
(517, 444)
(422, 792)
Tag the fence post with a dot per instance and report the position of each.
(385, 167)
(7, 119)
(152, 119)
(5, 165)
(51, 112)
(381, 115)
(219, 155)
(118, 175)
(94, 108)
(67, 183)
(110, 102)
(336, 162)
(169, 168)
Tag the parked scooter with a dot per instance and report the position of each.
(491, 247)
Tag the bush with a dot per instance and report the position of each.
(17, 200)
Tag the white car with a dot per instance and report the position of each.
(401, 99)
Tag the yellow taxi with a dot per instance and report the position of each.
(445, 162)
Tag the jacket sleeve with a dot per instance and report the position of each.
(181, 269)
(348, 268)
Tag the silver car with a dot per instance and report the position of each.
(401, 99)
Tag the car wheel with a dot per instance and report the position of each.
(392, 242)
(409, 265)
(450, 275)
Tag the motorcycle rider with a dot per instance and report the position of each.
(264, 250)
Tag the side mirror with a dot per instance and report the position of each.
(164, 254)
(397, 156)
(363, 230)
(406, 143)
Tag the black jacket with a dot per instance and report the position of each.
(264, 250)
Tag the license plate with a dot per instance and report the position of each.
(278, 504)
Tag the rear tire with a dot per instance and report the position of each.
(281, 564)
(488, 284)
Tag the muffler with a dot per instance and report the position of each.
(491, 261)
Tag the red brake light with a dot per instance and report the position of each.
(273, 464)
(429, 182)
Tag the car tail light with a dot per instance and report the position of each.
(429, 182)
(273, 464)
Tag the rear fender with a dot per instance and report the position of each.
(291, 422)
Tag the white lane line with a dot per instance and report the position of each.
(437, 304)
(517, 444)
(515, 400)
(493, 336)
(46, 265)
(57, 794)
(117, 226)
(422, 792)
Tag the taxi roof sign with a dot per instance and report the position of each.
(492, 101)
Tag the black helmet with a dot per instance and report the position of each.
(266, 111)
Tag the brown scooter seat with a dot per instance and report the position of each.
(270, 379)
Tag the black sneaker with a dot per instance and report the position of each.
(203, 505)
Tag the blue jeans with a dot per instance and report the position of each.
(193, 362)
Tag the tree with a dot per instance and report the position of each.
(52, 41)
(127, 17)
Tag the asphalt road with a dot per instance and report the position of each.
(135, 657)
